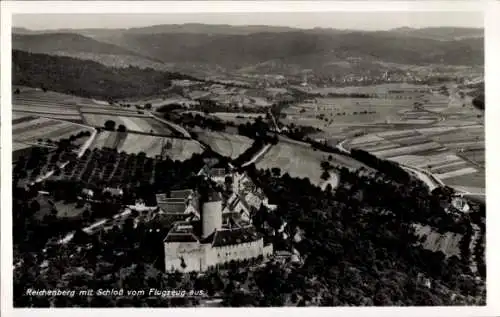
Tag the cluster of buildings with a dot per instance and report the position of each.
(215, 229)
(208, 227)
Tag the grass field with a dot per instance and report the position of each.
(31, 129)
(448, 243)
(477, 179)
(139, 123)
(231, 145)
(300, 160)
(178, 149)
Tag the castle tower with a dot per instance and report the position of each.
(211, 213)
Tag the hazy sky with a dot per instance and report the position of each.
(339, 20)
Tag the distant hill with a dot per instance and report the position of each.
(24, 31)
(442, 33)
(232, 51)
(267, 49)
(87, 78)
(197, 28)
(65, 42)
(190, 28)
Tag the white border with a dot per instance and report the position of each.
(236, 6)
(492, 69)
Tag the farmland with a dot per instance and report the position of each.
(299, 160)
(132, 123)
(347, 111)
(376, 90)
(176, 149)
(31, 101)
(345, 117)
(30, 129)
(454, 154)
(230, 145)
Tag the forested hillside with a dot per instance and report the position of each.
(87, 78)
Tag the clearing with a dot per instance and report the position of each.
(230, 145)
(448, 243)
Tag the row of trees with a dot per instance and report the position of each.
(110, 125)
(391, 169)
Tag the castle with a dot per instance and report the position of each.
(214, 231)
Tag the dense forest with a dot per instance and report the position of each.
(358, 246)
(87, 78)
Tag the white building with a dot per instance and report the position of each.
(199, 245)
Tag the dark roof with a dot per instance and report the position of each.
(175, 200)
(180, 237)
(235, 236)
(183, 228)
(230, 214)
(170, 219)
(217, 172)
(181, 193)
(172, 206)
(161, 197)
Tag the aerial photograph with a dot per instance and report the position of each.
(248, 160)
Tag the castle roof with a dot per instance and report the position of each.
(181, 193)
(180, 237)
(172, 206)
(169, 219)
(235, 236)
(217, 172)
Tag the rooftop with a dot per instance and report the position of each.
(172, 206)
(180, 237)
(181, 193)
(234, 236)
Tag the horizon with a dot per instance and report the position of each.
(248, 25)
(362, 21)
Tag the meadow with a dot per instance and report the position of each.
(146, 124)
(176, 149)
(300, 160)
(230, 145)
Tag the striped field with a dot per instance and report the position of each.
(454, 154)
(31, 129)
